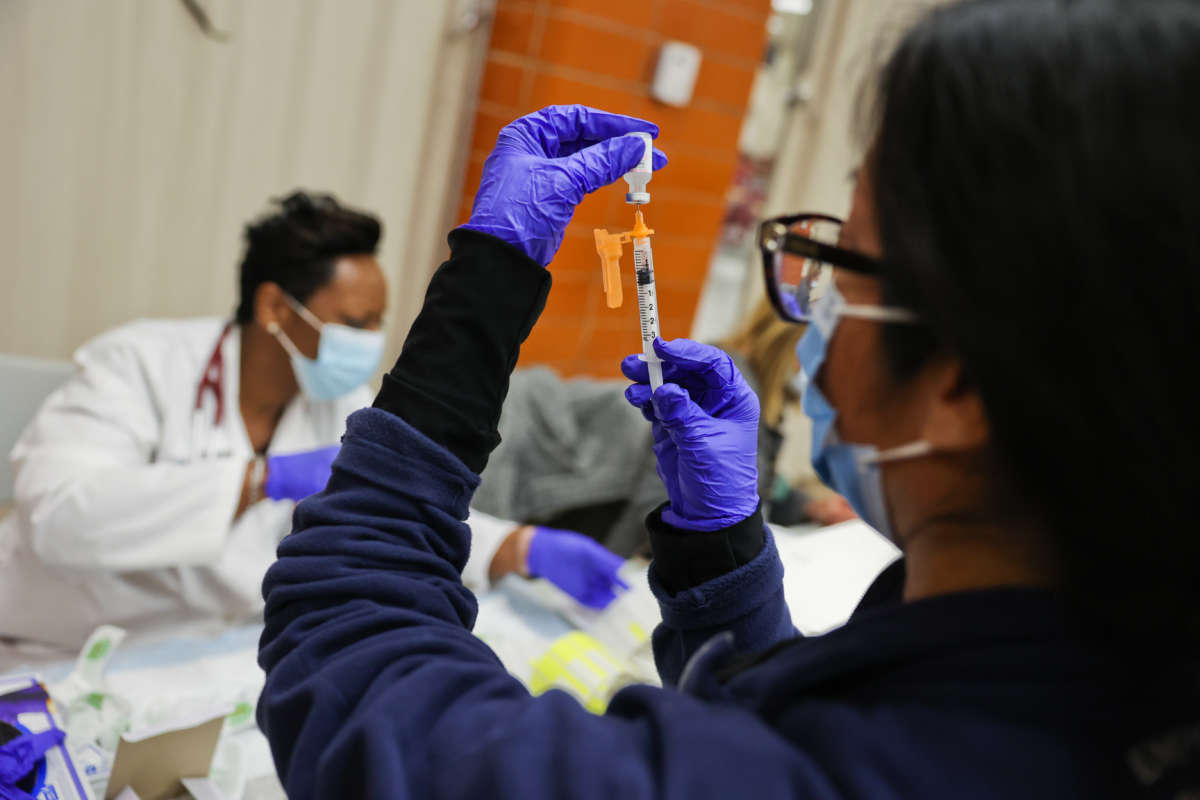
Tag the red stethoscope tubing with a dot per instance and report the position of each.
(214, 377)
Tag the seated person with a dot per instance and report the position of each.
(573, 453)
(152, 489)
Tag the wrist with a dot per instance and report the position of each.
(524, 540)
(686, 557)
(685, 521)
(256, 479)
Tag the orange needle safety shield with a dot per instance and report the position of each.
(608, 245)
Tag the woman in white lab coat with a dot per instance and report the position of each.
(141, 486)
(153, 487)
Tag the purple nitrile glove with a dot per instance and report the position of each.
(295, 476)
(542, 166)
(704, 419)
(18, 757)
(577, 564)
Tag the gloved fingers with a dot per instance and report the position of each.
(602, 163)
(597, 598)
(638, 396)
(675, 408)
(657, 161)
(634, 368)
(551, 130)
(711, 365)
(599, 593)
(606, 562)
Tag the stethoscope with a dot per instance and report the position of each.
(213, 378)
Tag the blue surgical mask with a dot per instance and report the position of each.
(346, 357)
(851, 470)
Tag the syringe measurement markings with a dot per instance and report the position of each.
(643, 266)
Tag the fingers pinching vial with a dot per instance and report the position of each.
(705, 423)
(544, 164)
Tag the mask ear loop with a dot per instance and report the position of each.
(304, 313)
(879, 313)
(901, 453)
(284, 342)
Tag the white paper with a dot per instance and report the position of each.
(827, 571)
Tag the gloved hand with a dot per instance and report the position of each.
(705, 424)
(542, 166)
(19, 756)
(295, 476)
(577, 564)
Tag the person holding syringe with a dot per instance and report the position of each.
(1025, 645)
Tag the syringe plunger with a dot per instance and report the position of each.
(654, 366)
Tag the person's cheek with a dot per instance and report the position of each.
(851, 380)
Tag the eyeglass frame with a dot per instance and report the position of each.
(774, 237)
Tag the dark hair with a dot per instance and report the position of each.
(297, 245)
(1035, 166)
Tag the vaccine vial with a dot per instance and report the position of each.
(639, 176)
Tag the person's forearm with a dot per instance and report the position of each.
(127, 517)
(452, 374)
(512, 557)
(746, 602)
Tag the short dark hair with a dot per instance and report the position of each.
(297, 244)
(1034, 167)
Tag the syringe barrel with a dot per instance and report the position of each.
(643, 266)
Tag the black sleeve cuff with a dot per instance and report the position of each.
(452, 374)
(684, 559)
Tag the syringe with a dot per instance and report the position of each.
(643, 268)
(608, 245)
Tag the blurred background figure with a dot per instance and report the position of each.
(152, 488)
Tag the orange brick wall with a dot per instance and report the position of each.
(602, 53)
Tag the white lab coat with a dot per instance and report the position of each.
(125, 492)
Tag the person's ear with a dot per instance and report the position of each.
(270, 305)
(955, 419)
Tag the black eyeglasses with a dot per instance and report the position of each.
(799, 253)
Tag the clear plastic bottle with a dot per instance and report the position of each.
(639, 176)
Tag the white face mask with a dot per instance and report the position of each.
(346, 357)
(851, 470)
